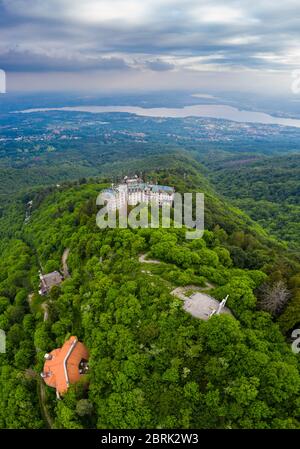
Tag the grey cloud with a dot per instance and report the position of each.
(166, 29)
(25, 61)
(159, 66)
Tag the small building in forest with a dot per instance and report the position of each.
(47, 281)
(66, 365)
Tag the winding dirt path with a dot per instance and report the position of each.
(64, 259)
(42, 396)
(142, 259)
(29, 298)
(208, 286)
(179, 292)
(44, 306)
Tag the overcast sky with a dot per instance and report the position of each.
(150, 44)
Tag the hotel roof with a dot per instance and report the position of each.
(158, 188)
(62, 367)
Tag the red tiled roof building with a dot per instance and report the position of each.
(65, 365)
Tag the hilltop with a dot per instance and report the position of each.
(152, 364)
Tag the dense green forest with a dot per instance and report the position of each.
(266, 187)
(151, 363)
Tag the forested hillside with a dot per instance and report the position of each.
(151, 363)
(266, 187)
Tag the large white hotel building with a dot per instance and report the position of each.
(134, 191)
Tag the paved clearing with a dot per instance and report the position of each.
(200, 305)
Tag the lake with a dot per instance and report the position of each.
(211, 111)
